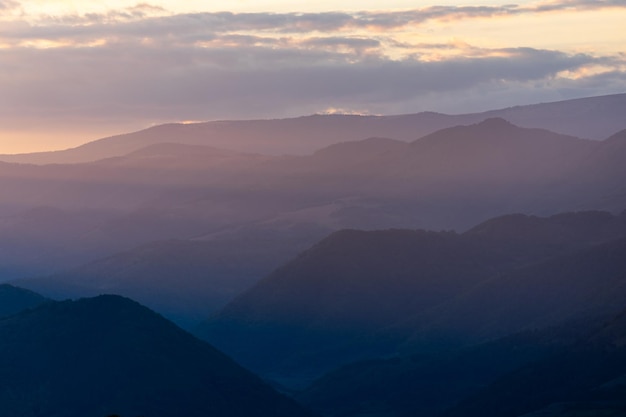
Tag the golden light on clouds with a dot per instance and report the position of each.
(104, 67)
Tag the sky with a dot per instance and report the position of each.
(75, 71)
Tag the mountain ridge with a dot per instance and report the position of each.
(108, 354)
(340, 128)
(359, 294)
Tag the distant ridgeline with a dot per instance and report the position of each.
(407, 287)
(185, 228)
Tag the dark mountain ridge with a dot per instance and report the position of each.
(587, 282)
(105, 355)
(368, 294)
(456, 381)
(15, 299)
(585, 378)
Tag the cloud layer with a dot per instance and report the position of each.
(145, 65)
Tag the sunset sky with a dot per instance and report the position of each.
(73, 71)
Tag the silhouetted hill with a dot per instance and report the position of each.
(593, 117)
(591, 281)
(618, 139)
(602, 115)
(587, 378)
(496, 151)
(351, 284)
(368, 294)
(95, 357)
(428, 384)
(562, 228)
(452, 178)
(299, 135)
(14, 299)
(489, 377)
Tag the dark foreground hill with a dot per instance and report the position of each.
(579, 361)
(109, 355)
(363, 294)
(14, 299)
(587, 378)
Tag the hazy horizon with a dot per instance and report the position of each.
(76, 73)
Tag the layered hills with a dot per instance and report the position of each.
(109, 355)
(90, 222)
(412, 268)
(186, 280)
(363, 294)
(593, 118)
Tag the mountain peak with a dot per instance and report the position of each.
(495, 123)
(619, 137)
(116, 356)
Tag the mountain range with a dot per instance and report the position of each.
(389, 266)
(83, 228)
(109, 355)
(590, 118)
(359, 294)
(186, 280)
(574, 369)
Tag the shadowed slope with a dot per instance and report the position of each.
(587, 378)
(14, 299)
(366, 294)
(95, 357)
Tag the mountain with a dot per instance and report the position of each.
(428, 384)
(602, 116)
(479, 380)
(185, 280)
(282, 136)
(360, 294)
(106, 355)
(55, 217)
(587, 282)
(599, 176)
(452, 178)
(593, 117)
(586, 378)
(316, 310)
(181, 158)
(14, 299)
(496, 146)
(559, 229)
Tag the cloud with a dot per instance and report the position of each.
(205, 83)
(152, 21)
(9, 5)
(149, 23)
(145, 65)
